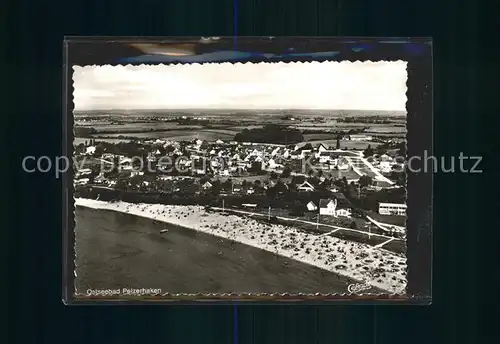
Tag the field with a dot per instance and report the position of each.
(386, 129)
(143, 127)
(390, 219)
(178, 135)
(80, 140)
(225, 126)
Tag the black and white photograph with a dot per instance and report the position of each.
(244, 178)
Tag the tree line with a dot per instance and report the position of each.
(270, 133)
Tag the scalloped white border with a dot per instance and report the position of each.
(197, 64)
(182, 296)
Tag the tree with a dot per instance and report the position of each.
(256, 167)
(271, 193)
(280, 187)
(136, 180)
(216, 189)
(368, 151)
(365, 181)
(270, 133)
(204, 179)
(338, 142)
(228, 184)
(298, 209)
(273, 176)
(307, 146)
(298, 180)
(314, 181)
(402, 150)
(99, 150)
(353, 225)
(327, 182)
(122, 182)
(168, 149)
(286, 172)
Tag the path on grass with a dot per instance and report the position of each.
(336, 228)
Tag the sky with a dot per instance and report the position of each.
(316, 85)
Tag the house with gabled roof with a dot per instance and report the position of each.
(330, 207)
(206, 186)
(305, 186)
(297, 154)
(327, 206)
(311, 206)
(322, 147)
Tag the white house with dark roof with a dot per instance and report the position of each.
(311, 206)
(330, 207)
(298, 154)
(322, 147)
(327, 206)
(206, 186)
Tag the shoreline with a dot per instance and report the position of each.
(359, 262)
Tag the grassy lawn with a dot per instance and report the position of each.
(397, 246)
(390, 219)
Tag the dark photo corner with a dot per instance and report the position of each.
(33, 264)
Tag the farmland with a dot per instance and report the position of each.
(210, 126)
(177, 135)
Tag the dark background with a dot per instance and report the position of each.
(32, 57)
(417, 52)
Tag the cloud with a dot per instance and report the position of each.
(326, 85)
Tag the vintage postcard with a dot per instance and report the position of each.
(241, 179)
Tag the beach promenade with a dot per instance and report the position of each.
(117, 250)
(375, 266)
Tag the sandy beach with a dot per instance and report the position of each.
(380, 268)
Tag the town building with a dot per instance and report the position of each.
(330, 207)
(327, 206)
(343, 213)
(322, 147)
(305, 187)
(392, 209)
(311, 206)
(207, 185)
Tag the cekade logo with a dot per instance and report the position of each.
(357, 288)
